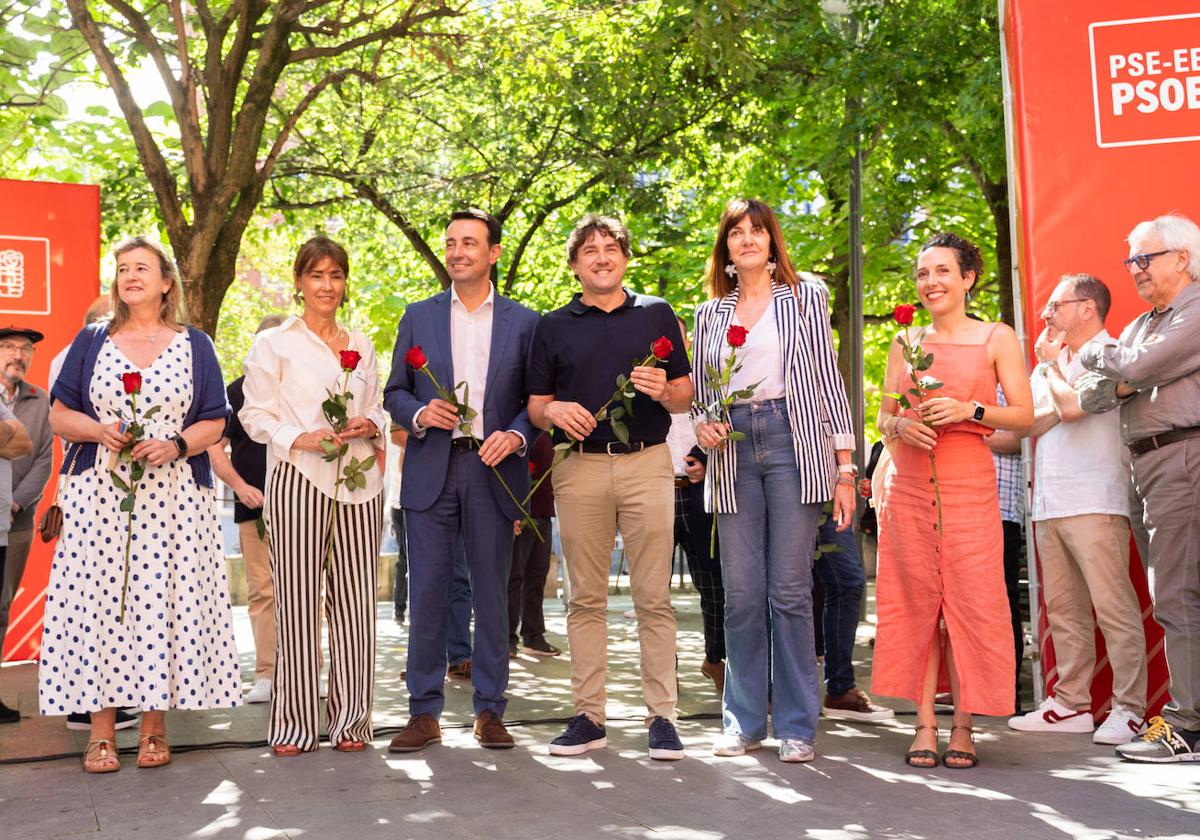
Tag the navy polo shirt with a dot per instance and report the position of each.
(577, 352)
(248, 457)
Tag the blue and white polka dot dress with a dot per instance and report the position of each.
(175, 648)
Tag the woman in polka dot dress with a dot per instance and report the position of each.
(173, 646)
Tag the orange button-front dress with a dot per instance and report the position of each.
(959, 578)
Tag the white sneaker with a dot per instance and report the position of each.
(734, 744)
(1052, 716)
(260, 693)
(1120, 727)
(793, 750)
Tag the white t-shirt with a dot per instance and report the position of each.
(1079, 467)
(681, 439)
(760, 360)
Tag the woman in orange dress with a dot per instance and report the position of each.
(943, 612)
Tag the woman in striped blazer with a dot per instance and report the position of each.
(769, 487)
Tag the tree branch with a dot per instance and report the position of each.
(400, 28)
(161, 180)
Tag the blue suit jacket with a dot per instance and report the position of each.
(427, 324)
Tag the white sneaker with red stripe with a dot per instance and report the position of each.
(1052, 716)
(1120, 727)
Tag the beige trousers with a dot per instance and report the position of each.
(595, 496)
(260, 600)
(1085, 566)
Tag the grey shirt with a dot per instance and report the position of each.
(31, 472)
(5, 482)
(1159, 355)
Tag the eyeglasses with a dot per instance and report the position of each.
(1143, 260)
(23, 349)
(1053, 305)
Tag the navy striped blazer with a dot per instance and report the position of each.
(814, 392)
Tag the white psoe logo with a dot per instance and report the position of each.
(12, 274)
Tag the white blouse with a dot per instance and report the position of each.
(761, 360)
(287, 373)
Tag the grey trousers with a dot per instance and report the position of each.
(19, 543)
(1168, 482)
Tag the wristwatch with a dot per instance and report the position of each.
(852, 469)
(181, 445)
(978, 415)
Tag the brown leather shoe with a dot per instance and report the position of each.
(490, 732)
(418, 733)
(460, 670)
(715, 671)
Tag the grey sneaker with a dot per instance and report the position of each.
(793, 750)
(732, 743)
(1161, 743)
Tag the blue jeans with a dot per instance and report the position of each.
(841, 575)
(766, 563)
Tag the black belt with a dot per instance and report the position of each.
(462, 444)
(615, 447)
(1149, 444)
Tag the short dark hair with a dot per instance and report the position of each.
(317, 249)
(966, 252)
(1091, 288)
(609, 226)
(493, 224)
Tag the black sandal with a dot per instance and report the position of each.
(970, 758)
(924, 755)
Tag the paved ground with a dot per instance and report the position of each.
(858, 788)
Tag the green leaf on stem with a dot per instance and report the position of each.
(151, 412)
(735, 436)
(621, 431)
(127, 504)
(602, 415)
(119, 482)
(904, 403)
(618, 412)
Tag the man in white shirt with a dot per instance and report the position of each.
(467, 334)
(1080, 512)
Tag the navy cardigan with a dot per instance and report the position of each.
(208, 394)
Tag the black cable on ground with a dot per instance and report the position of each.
(382, 731)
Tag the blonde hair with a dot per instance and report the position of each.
(168, 311)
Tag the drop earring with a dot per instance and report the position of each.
(771, 268)
(298, 297)
(731, 270)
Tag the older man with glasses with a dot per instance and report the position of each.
(31, 406)
(1153, 373)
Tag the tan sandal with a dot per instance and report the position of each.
(153, 750)
(100, 756)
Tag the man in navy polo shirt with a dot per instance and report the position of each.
(605, 485)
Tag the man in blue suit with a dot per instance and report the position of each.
(468, 334)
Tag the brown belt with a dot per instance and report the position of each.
(1149, 444)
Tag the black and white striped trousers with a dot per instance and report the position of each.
(297, 515)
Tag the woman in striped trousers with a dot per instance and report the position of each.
(768, 486)
(324, 514)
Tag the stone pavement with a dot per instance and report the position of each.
(1025, 787)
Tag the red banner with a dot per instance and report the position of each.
(1106, 128)
(49, 274)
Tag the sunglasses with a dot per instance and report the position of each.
(1143, 260)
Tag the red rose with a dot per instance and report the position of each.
(415, 357)
(903, 314)
(661, 348)
(132, 382)
(736, 336)
(349, 359)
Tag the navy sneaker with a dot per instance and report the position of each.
(664, 742)
(580, 736)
